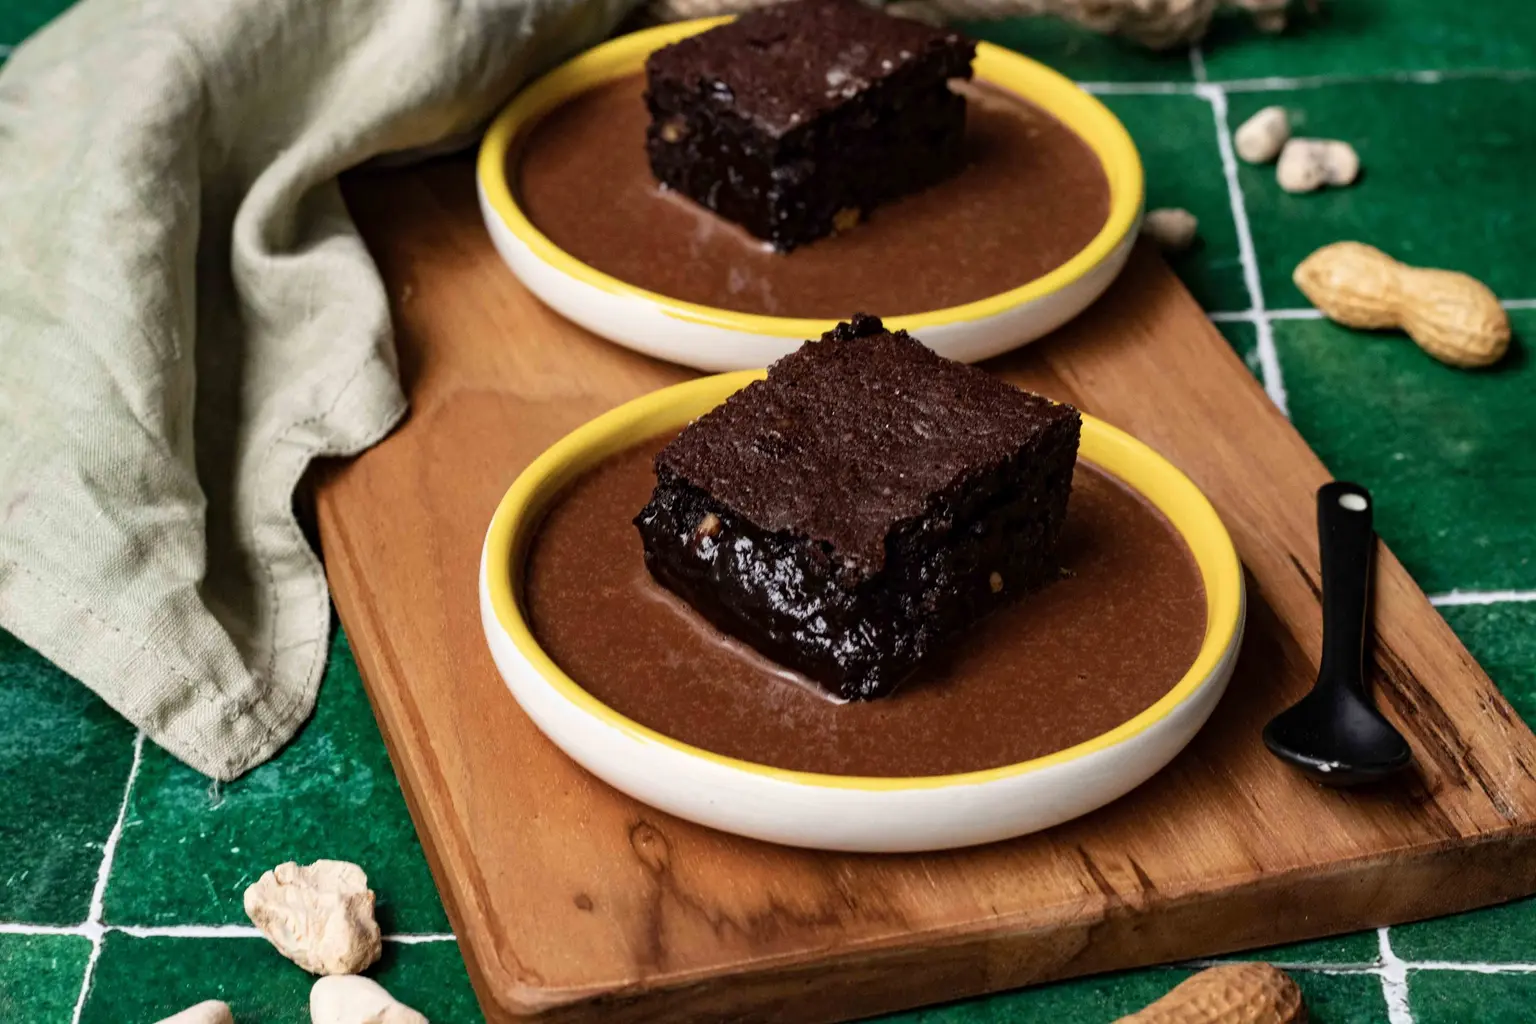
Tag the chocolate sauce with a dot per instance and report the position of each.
(1059, 666)
(1030, 197)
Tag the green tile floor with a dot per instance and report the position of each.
(118, 865)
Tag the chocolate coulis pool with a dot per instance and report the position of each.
(1031, 196)
(1059, 666)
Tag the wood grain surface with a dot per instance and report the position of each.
(573, 901)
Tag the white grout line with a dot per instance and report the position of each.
(189, 931)
(1394, 982)
(1269, 359)
(42, 929)
(109, 848)
(1284, 965)
(245, 931)
(1469, 968)
(1280, 83)
(1252, 316)
(1138, 88)
(1464, 597)
(1249, 316)
(92, 927)
(1275, 83)
(1197, 63)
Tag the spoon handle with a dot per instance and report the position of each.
(1346, 543)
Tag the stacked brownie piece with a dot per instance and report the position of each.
(797, 119)
(861, 507)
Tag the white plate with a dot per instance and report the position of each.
(846, 812)
(709, 338)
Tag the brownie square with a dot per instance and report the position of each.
(798, 118)
(862, 506)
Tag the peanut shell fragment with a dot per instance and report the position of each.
(319, 916)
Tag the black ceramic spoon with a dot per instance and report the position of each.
(1335, 734)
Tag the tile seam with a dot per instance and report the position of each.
(1254, 316)
(1294, 314)
(1320, 967)
(9, 928)
(1462, 598)
(87, 929)
(1279, 83)
(1394, 982)
(1308, 313)
(92, 928)
(1138, 88)
(1269, 358)
(1470, 967)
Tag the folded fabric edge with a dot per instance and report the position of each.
(365, 410)
(219, 736)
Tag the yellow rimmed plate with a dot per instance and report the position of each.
(841, 812)
(717, 339)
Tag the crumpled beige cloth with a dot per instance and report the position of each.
(188, 318)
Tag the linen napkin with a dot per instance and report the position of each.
(188, 318)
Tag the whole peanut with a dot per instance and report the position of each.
(1230, 994)
(1452, 316)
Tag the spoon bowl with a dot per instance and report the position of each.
(1337, 739)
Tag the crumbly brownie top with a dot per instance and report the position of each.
(783, 64)
(850, 435)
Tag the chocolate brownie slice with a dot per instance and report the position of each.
(862, 506)
(796, 119)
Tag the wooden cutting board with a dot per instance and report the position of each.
(573, 901)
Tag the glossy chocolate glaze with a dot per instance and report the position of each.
(1031, 196)
(1060, 666)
